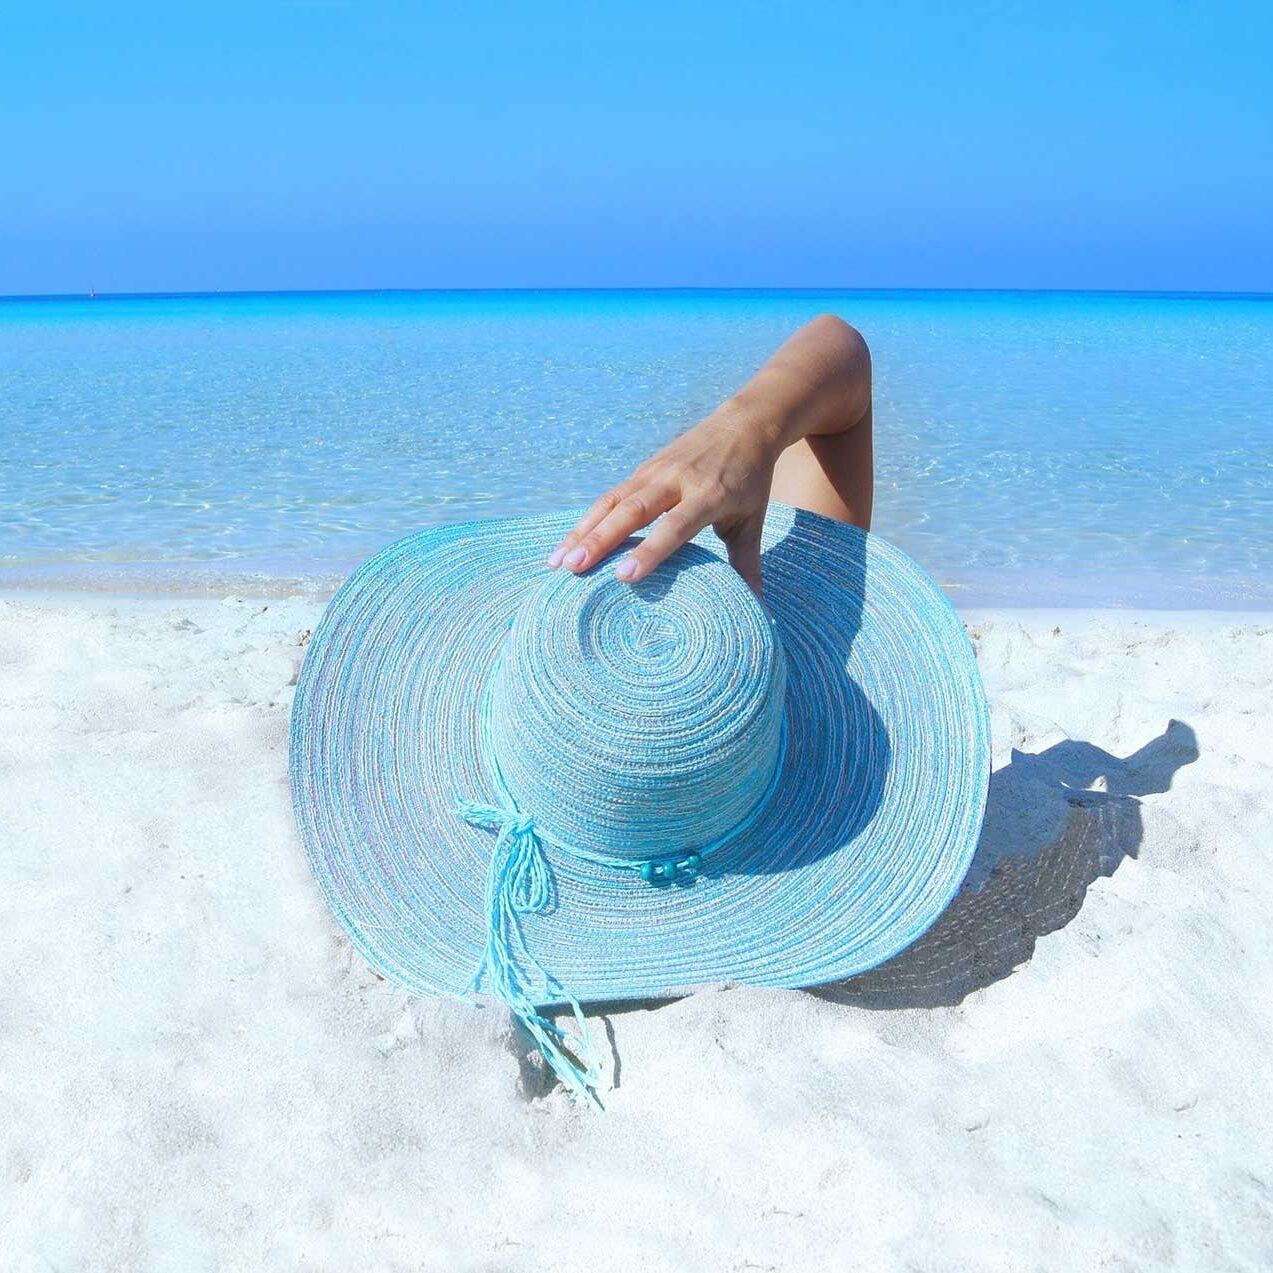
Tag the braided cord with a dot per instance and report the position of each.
(520, 882)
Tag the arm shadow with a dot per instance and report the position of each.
(1055, 822)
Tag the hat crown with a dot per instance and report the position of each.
(638, 720)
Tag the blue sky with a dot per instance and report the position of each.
(316, 143)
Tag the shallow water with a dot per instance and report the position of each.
(1031, 446)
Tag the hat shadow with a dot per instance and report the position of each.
(839, 700)
(1055, 822)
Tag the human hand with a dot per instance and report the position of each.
(717, 474)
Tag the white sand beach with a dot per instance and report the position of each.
(1072, 1070)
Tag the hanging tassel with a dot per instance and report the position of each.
(518, 883)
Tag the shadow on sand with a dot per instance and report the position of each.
(1054, 823)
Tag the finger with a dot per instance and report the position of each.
(678, 526)
(599, 509)
(630, 514)
(743, 545)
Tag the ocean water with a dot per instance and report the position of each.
(1083, 448)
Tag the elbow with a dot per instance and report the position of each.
(845, 339)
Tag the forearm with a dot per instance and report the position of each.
(818, 383)
(720, 473)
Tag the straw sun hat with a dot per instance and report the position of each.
(551, 788)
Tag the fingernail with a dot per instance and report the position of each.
(575, 557)
(554, 558)
(626, 568)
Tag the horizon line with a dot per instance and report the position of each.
(247, 293)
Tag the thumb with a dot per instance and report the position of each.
(742, 541)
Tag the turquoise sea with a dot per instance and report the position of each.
(1031, 447)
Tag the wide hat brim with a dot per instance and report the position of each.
(861, 844)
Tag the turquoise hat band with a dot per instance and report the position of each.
(837, 739)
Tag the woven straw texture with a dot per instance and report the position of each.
(639, 721)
